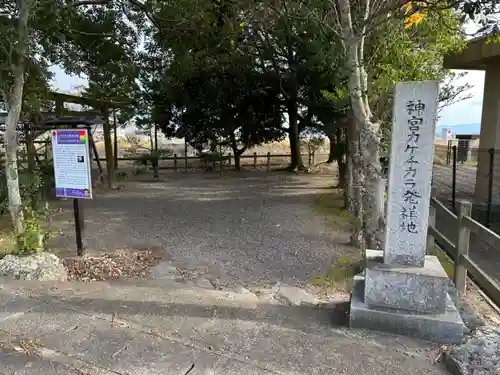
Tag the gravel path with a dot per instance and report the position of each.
(258, 227)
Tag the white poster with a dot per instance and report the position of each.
(72, 163)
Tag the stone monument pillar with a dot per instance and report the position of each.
(403, 290)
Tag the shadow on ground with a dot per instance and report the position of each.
(134, 328)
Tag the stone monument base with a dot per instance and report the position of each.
(443, 328)
(419, 289)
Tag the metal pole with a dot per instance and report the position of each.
(448, 151)
(490, 185)
(79, 226)
(454, 177)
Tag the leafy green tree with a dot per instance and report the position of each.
(292, 46)
(368, 29)
(227, 103)
(34, 35)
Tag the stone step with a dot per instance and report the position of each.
(419, 289)
(444, 328)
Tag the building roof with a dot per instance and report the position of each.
(82, 100)
(476, 55)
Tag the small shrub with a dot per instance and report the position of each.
(143, 159)
(210, 157)
(35, 210)
(345, 267)
(138, 171)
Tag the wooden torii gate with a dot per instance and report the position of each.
(103, 107)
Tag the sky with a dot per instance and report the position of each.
(465, 112)
(65, 83)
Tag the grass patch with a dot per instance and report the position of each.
(7, 243)
(331, 206)
(445, 260)
(340, 273)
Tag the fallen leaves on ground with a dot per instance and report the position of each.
(112, 266)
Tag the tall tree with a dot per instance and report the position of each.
(287, 42)
(355, 24)
(34, 33)
(15, 20)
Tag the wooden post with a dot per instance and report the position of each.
(96, 154)
(255, 160)
(30, 147)
(432, 223)
(175, 162)
(46, 150)
(59, 107)
(229, 160)
(463, 240)
(269, 162)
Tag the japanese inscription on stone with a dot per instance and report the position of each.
(410, 173)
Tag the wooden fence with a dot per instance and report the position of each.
(178, 163)
(255, 160)
(458, 248)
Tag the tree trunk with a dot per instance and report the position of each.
(342, 165)
(293, 135)
(373, 200)
(15, 100)
(115, 142)
(350, 135)
(30, 148)
(333, 146)
(348, 191)
(341, 158)
(237, 161)
(237, 152)
(11, 167)
(108, 149)
(364, 151)
(358, 177)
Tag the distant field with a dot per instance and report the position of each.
(274, 148)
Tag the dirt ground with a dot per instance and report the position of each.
(257, 228)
